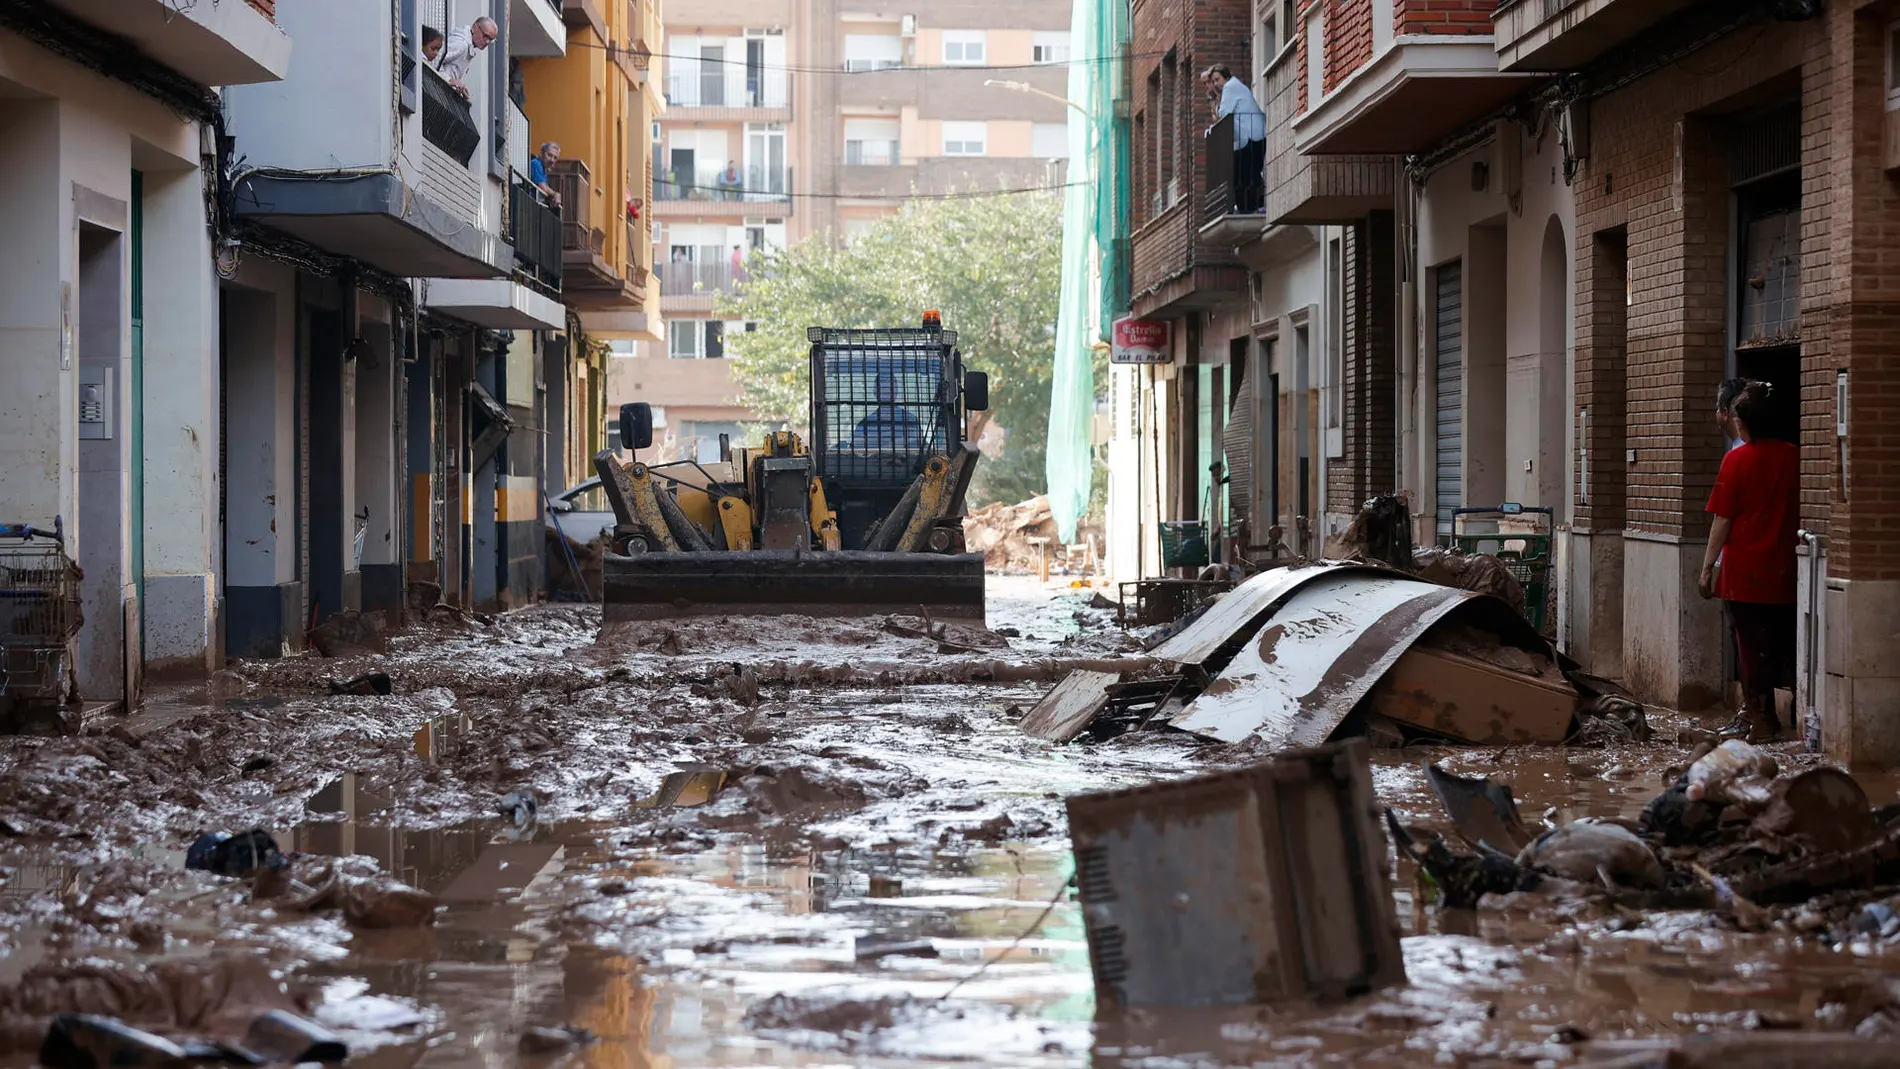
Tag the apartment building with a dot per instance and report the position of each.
(385, 315)
(111, 325)
(795, 120)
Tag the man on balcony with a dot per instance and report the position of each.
(1250, 135)
(463, 44)
(538, 167)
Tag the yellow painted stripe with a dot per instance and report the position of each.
(468, 500)
(517, 500)
(422, 510)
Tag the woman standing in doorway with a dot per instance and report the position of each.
(1750, 562)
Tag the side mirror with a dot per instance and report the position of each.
(976, 391)
(636, 425)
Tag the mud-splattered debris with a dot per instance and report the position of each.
(886, 886)
(519, 808)
(787, 791)
(542, 1039)
(1823, 808)
(235, 855)
(1734, 772)
(369, 685)
(368, 899)
(350, 634)
(287, 1038)
(686, 788)
(256, 764)
(87, 1040)
(1587, 850)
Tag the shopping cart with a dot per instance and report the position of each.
(1526, 553)
(39, 618)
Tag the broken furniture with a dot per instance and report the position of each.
(1251, 886)
(1163, 601)
(1098, 702)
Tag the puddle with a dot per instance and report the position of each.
(440, 739)
(349, 796)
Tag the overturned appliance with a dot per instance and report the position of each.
(1296, 656)
(1257, 885)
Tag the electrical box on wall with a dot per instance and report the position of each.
(95, 402)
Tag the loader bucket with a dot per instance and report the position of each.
(661, 586)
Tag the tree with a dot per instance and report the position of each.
(990, 263)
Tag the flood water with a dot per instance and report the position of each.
(911, 909)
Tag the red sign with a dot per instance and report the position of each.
(1141, 341)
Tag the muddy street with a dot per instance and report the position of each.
(783, 842)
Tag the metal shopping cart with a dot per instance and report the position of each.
(1526, 552)
(39, 618)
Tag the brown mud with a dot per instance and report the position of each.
(779, 842)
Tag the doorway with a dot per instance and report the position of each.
(108, 653)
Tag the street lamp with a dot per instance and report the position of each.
(1025, 87)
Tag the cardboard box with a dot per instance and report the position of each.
(1465, 698)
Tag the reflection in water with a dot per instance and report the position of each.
(693, 785)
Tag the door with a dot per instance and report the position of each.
(681, 170)
(755, 72)
(764, 161)
(1449, 344)
(712, 76)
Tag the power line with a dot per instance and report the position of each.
(925, 68)
(731, 195)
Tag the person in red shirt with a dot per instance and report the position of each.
(1750, 562)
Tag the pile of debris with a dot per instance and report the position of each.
(1002, 534)
(1310, 652)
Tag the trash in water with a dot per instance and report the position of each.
(519, 808)
(1823, 808)
(367, 901)
(1172, 876)
(235, 855)
(1588, 851)
(1462, 879)
(349, 795)
(1735, 773)
(693, 785)
(87, 1040)
(1100, 704)
(1483, 812)
(287, 1038)
(540, 1039)
(372, 684)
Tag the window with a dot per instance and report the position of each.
(1049, 141)
(682, 339)
(964, 48)
(1050, 46)
(1893, 66)
(873, 51)
(965, 138)
(872, 142)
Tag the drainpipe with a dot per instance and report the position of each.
(1405, 234)
(1811, 713)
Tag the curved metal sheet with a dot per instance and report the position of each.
(1240, 607)
(1317, 656)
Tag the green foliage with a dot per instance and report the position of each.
(990, 264)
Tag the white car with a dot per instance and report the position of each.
(582, 513)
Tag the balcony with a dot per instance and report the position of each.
(680, 193)
(728, 92)
(1558, 35)
(683, 278)
(448, 123)
(590, 277)
(536, 29)
(1420, 90)
(534, 229)
(211, 44)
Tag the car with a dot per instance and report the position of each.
(581, 513)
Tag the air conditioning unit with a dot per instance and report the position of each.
(907, 25)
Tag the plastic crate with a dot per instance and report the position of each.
(1183, 543)
(1525, 554)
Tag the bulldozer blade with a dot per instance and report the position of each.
(661, 586)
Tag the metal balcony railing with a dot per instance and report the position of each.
(684, 278)
(447, 122)
(725, 85)
(872, 153)
(520, 139)
(754, 184)
(574, 182)
(1220, 184)
(535, 229)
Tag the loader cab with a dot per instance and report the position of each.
(883, 402)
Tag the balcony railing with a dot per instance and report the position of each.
(574, 182)
(872, 153)
(683, 278)
(447, 122)
(535, 231)
(520, 149)
(754, 184)
(1221, 182)
(726, 85)
(632, 246)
